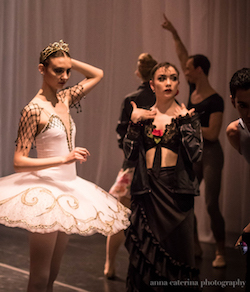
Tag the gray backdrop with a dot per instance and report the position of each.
(110, 34)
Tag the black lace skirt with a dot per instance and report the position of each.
(160, 239)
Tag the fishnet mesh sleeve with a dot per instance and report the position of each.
(75, 94)
(28, 126)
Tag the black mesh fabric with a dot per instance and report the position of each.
(31, 114)
(75, 93)
(28, 126)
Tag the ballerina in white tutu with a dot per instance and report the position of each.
(45, 196)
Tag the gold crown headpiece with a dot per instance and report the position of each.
(51, 48)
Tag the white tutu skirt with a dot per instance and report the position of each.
(43, 204)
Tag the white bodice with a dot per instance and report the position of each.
(56, 199)
(54, 140)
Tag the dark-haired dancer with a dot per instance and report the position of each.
(210, 106)
(144, 98)
(238, 133)
(163, 142)
(46, 197)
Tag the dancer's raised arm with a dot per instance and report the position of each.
(93, 74)
(181, 50)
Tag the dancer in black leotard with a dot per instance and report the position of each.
(210, 106)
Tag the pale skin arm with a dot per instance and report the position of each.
(212, 132)
(93, 74)
(233, 135)
(181, 50)
(233, 138)
(24, 163)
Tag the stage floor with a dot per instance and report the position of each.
(82, 266)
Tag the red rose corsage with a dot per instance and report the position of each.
(157, 133)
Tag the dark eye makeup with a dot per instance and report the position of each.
(164, 77)
(61, 70)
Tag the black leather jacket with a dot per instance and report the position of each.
(190, 151)
(144, 98)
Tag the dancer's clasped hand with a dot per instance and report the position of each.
(183, 111)
(77, 154)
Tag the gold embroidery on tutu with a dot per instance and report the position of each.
(33, 200)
